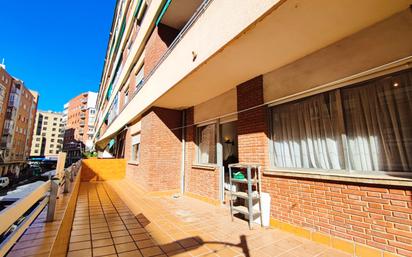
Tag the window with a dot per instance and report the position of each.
(38, 139)
(206, 144)
(139, 77)
(52, 140)
(136, 148)
(370, 120)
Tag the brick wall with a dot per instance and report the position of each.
(160, 153)
(377, 216)
(157, 45)
(252, 124)
(380, 217)
(197, 178)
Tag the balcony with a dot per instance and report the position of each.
(82, 116)
(84, 100)
(83, 108)
(82, 123)
(103, 212)
(81, 132)
(264, 25)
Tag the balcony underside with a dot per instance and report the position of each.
(291, 30)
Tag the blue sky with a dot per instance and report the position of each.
(56, 47)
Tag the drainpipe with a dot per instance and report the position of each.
(182, 166)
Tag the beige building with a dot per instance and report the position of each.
(48, 134)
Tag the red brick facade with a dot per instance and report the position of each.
(160, 153)
(157, 45)
(378, 216)
(196, 177)
(252, 122)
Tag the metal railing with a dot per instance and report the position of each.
(17, 217)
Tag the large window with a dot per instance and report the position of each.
(206, 144)
(136, 148)
(366, 127)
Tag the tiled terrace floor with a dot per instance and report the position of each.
(116, 218)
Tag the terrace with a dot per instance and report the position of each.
(106, 214)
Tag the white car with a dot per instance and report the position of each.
(4, 181)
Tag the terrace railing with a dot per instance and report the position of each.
(17, 217)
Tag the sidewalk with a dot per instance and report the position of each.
(116, 218)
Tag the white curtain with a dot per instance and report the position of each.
(378, 124)
(207, 144)
(306, 134)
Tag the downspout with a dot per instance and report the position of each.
(182, 165)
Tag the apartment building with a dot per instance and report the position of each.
(316, 92)
(5, 86)
(18, 127)
(48, 134)
(78, 119)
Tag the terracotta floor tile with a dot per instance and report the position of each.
(79, 245)
(139, 237)
(101, 235)
(145, 243)
(171, 247)
(119, 233)
(125, 247)
(102, 242)
(122, 239)
(80, 232)
(81, 253)
(105, 250)
(134, 253)
(151, 251)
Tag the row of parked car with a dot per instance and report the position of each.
(33, 171)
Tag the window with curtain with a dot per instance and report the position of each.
(135, 148)
(206, 144)
(366, 127)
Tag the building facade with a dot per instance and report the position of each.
(19, 117)
(78, 119)
(47, 135)
(320, 101)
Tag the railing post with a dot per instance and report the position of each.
(51, 207)
(67, 179)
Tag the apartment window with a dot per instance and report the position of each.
(50, 151)
(54, 124)
(126, 96)
(55, 118)
(46, 117)
(136, 148)
(206, 144)
(45, 123)
(37, 145)
(52, 140)
(53, 135)
(139, 77)
(370, 120)
(43, 134)
(53, 129)
(36, 151)
(38, 139)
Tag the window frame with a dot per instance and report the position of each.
(197, 138)
(348, 171)
(132, 149)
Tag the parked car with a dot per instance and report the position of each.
(4, 181)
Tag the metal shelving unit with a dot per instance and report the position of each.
(249, 196)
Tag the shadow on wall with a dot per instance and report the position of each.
(103, 169)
